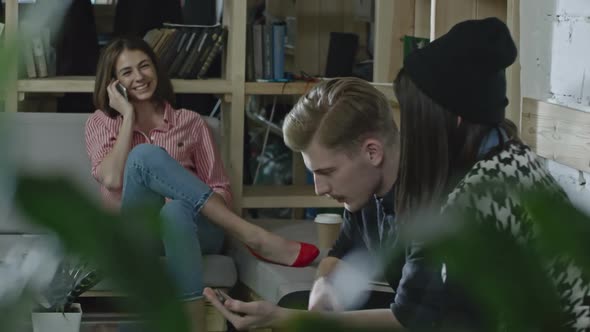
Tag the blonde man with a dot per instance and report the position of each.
(345, 130)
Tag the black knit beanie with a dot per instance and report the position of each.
(464, 70)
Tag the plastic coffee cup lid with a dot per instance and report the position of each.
(328, 218)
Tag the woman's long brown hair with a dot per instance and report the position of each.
(437, 149)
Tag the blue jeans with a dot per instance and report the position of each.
(150, 176)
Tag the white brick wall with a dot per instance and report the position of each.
(555, 60)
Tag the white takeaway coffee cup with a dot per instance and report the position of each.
(328, 227)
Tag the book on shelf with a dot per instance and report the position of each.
(268, 53)
(215, 50)
(177, 25)
(184, 50)
(39, 56)
(258, 50)
(167, 50)
(155, 39)
(266, 48)
(208, 45)
(27, 51)
(152, 36)
(167, 33)
(249, 55)
(50, 53)
(279, 30)
(193, 53)
(187, 51)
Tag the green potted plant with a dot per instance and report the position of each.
(58, 310)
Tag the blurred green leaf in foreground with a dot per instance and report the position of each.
(121, 248)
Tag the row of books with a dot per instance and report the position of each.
(39, 55)
(266, 51)
(187, 51)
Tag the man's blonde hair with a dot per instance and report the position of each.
(341, 113)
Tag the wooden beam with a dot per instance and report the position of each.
(270, 88)
(295, 196)
(299, 172)
(307, 44)
(451, 12)
(86, 84)
(433, 20)
(10, 39)
(300, 88)
(557, 132)
(233, 115)
(382, 41)
(422, 18)
(403, 25)
(492, 8)
(514, 110)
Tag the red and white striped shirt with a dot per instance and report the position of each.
(185, 136)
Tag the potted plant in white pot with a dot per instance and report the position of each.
(57, 311)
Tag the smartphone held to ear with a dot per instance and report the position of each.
(122, 90)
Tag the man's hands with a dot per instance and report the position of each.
(244, 315)
(323, 297)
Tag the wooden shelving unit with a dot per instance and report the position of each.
(85, 84)
(392, 20)
(287, 88)
(299, 88)
(293, 196)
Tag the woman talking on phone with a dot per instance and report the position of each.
(144, 151)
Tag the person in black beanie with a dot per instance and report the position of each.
(463, 71)
(461, 156)
(453, 91)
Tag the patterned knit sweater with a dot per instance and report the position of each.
(518, 167)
